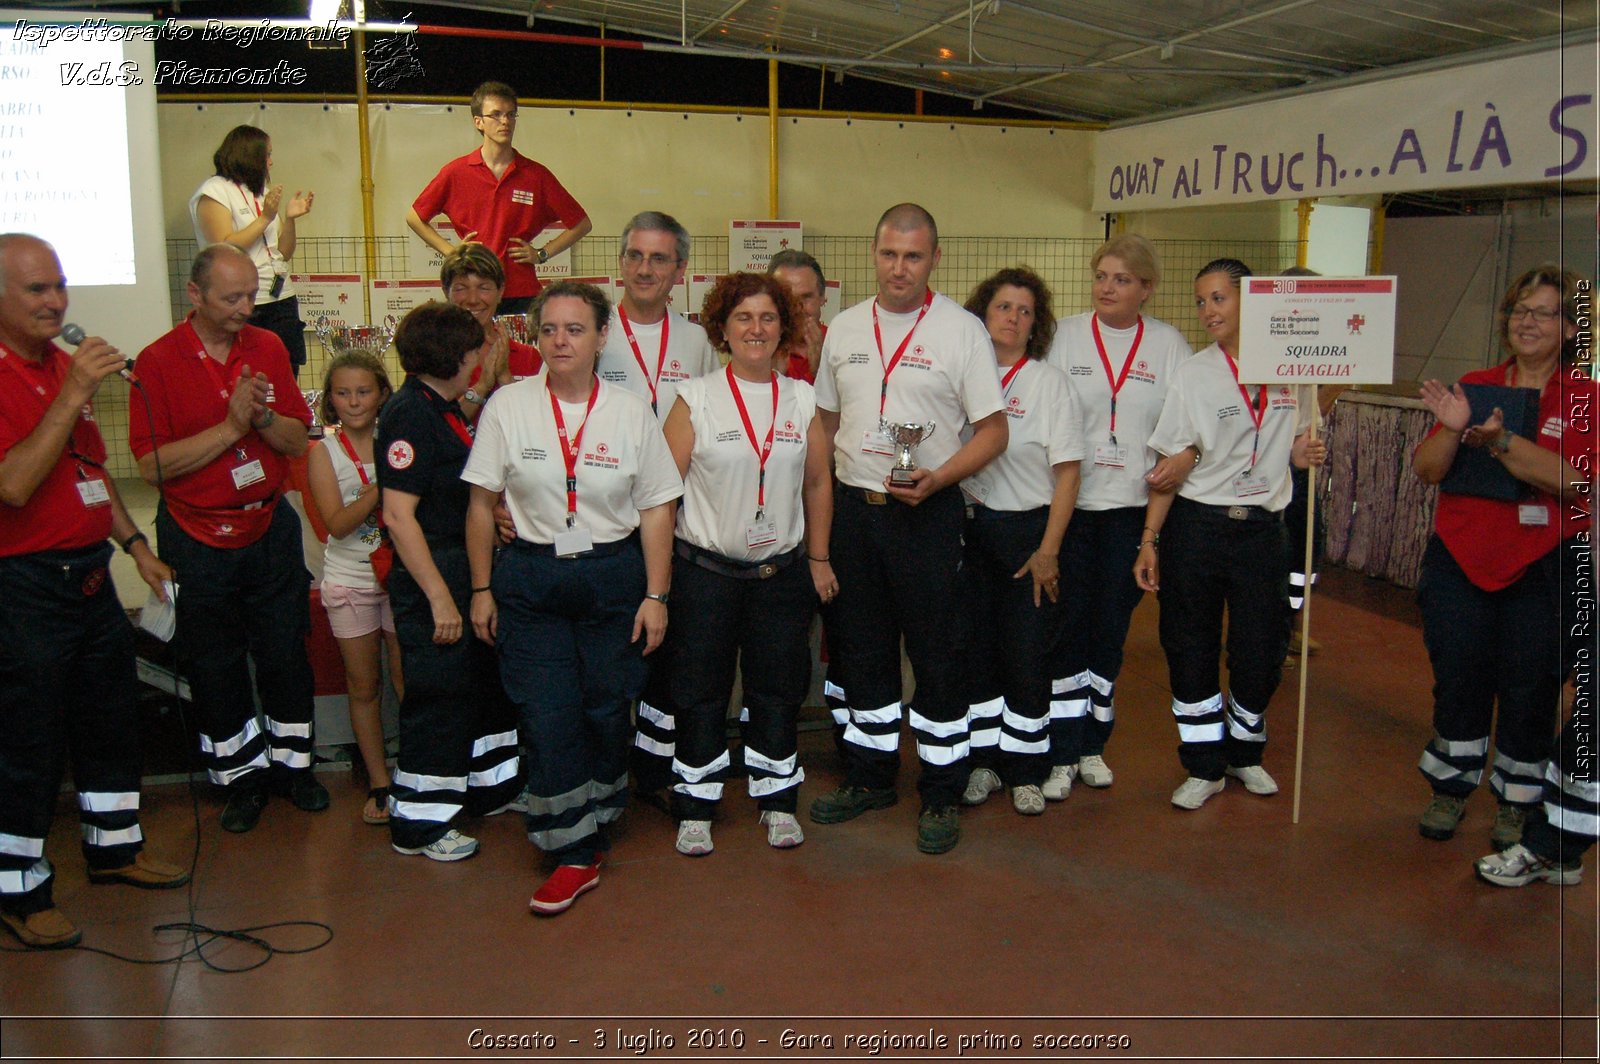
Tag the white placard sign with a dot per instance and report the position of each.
(699, 285)
(337, 296)
(834, 303)
(1317, 330)
(398, 298)
(751, 244)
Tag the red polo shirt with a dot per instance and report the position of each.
(1495, 541)
(187, 391)
(799, 369)
(58, 515)
(521, 204)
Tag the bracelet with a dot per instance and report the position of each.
(652, 596)
(813, 558)
(479, 590)
(127, 544)
(1153, 542)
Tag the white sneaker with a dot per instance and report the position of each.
(451, 846)
(1194, 792)
(783, 830)
(694, 838)
(1254, 778)
(982, 783)
(519, 804)
(1059, 784)
(1519, 866)
(1094, 771)
(1027, 800)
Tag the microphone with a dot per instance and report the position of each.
(73, 334)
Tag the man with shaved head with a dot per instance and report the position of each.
(219, 419)
(907, 356)
(67, 675)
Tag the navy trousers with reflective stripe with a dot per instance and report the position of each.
(458, 742)
(570, 667)
(253, 600)
(1490, 648)
(66, 686)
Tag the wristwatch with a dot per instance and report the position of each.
(543, 256)
(471, 396)
(1500, 444)
(661, 598)
(266, 420)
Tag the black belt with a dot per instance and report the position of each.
(599, 550)
(737, 570)
(1237, 512)
(871, 498)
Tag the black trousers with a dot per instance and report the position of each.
(1491, 648)
(1008, 642)
(458, 730)
(897, 569)
(1098, 597)
(571, 668)
(763, 627)
(1294, 521)
(1211, 563)
(66, 687)
(282, 319)
(256, 601)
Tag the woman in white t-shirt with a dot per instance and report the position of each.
(750, 559)
(1220, 544)
(1120, 363)
(580, 595)
(1018, 510)
(237, 206)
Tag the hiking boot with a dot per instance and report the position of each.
(847, 803)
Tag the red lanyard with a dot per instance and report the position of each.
(569, 453)
(355, 459)
(1011, 375)
(763, 450)
(216, 378)
(1105, 360)
(883, 393)
(458, 425)
(251, 197)
(661, 361)
(1257, 412)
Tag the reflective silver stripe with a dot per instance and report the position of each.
(21, 846)
(1443, 771)
(744, 714)
(1295, 601)
(1200, 733)
(889, 714)
(1012, 745)
(489, 777)
(1530, 769)
(1516, 793)
(773, 784)
(608, 813)
(655, 716)
(291, 758)
(288, 731)
(1103, 713)
(231, 746)
(418, 782)
(1459, 748)
(602, 791)
(432, 812)
(101, 837)
(1575, 821)
(832, 690)
(1068, 708)
(1100, 684)
(1021, 723)
(555, 838)
(1297, 579)
(945, 729)
(691, 774)
(985, 710)
(943, 755)
(556, 804)
(985, 737)
(1583, 790)
(1062, 684)
(486, 743)
(889, 741)
(841, 715)
(755, 759)
(1197, 709)
(1244, 725)
(710, 792)
(108, 801)
(20, 882)
(222, 777)
(649, 745)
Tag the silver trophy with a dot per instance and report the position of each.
(905, 437)
(314, 401)
(519, 327)
(337, 339)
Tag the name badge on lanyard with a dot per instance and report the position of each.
(1111, 455)
(1533, 515)
(1249, 484)
(576, 538)
(248, 473)
(94, 493)
(876, 442)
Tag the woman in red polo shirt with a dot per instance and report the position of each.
(1491, 577)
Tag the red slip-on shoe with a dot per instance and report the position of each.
(563, 888)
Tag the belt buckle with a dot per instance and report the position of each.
(1239, 513)
(765, 571)
(875, 498)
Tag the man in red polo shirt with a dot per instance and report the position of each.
(218, 421)
(801, 273)
(67, 675)
(500, 198)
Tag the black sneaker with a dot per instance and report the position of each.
(302, 789)
(847, 803)
(243, 809)
(938, 830)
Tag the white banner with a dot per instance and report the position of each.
(1527, 119)
(337, 296)
(1317, 330)
(395, 299)
(751, 244)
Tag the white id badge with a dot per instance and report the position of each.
(1533, 514)
(248, 474)
(1249, 485)
(876, 443)
(761, 533)
(573, 541)
(1109, 454)
(94, 492)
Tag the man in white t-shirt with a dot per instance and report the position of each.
(650, 350)
(909, 357)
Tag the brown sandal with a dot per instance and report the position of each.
(380, 795)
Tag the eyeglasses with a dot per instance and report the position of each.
(634, 257)
(1539, 314)
(500, 116)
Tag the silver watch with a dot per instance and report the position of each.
(471, 396)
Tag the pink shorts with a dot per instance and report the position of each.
(356, 611)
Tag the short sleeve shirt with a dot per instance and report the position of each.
(1046, 430)
(420, 451)
(244, 207)
(688, 355)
